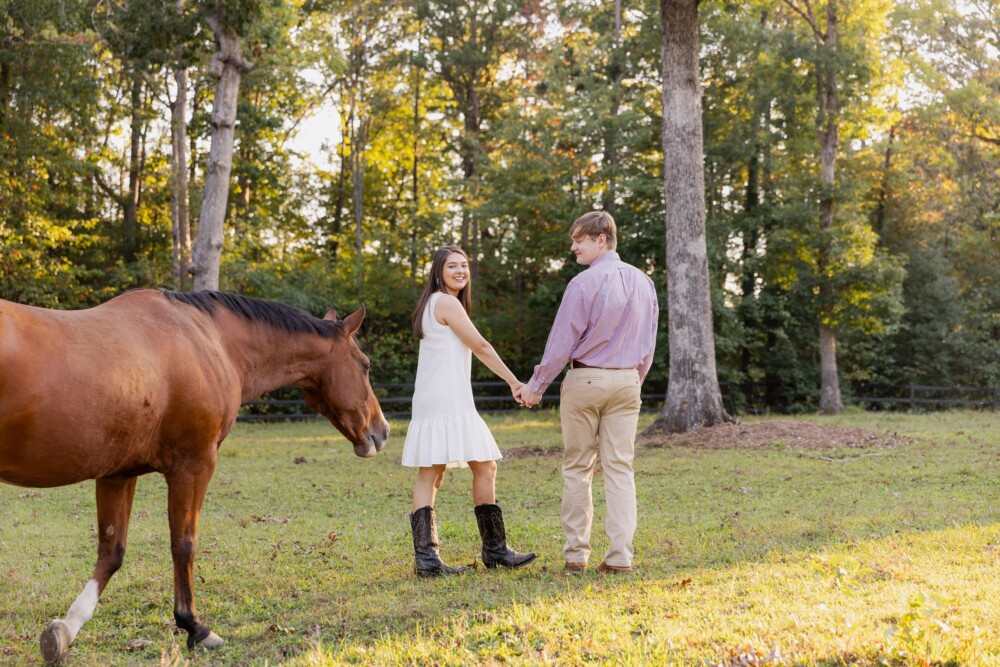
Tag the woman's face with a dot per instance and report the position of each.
(455, 273)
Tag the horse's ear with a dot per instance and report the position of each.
(331, 315)
(354, 320)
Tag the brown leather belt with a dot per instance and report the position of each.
(579, 364)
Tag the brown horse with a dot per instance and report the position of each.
(151, 382)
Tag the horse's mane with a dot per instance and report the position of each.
(278, 315)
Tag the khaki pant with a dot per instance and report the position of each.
(599, 410)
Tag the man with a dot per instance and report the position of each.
(606, 331)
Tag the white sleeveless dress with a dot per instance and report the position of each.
(444, 426)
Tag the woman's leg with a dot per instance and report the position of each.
(484, 479)
(427, 558)
(429, 480)
(489, 518)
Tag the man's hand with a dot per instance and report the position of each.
(527, 397)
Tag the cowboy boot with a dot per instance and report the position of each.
(495, 550)
(427, 559)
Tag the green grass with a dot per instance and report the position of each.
(742, 553)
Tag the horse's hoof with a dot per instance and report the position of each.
(211, 641)
(54, 641)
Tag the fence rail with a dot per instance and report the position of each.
(914, 395)
(287, 404)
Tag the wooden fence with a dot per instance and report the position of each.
(915, 396)
(288, 404)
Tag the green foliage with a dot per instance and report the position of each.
(548, 111)
(924, 619)
(843, 572)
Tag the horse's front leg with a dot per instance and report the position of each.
(185, 493)
(114, 506)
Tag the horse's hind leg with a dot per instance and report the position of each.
(114, 505)
(185, 493)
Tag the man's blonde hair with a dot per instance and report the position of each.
(594, 224)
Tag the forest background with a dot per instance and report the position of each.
(494, 124)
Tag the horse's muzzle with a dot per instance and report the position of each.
(374, 440)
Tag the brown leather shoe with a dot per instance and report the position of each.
(575, 567)
(605, 568)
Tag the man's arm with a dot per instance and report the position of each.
(654, 323)
(567, 328)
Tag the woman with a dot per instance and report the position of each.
(445, 429)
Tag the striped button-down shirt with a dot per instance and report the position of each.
(608, 319)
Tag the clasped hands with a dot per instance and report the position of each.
(524, 396)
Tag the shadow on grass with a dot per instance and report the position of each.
(725, 543)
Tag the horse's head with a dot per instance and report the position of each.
(343, 394)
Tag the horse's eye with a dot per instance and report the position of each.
(367, 366)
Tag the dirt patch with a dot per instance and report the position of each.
(529, 452)
(775, 435)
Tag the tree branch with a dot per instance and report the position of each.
(807, 15)
(990, 140)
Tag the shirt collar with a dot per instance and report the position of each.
(605, 257)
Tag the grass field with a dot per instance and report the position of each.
(762, 555)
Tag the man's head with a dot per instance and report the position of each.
(593, 234)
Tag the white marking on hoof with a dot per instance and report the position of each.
(55, 640)
(211, 641)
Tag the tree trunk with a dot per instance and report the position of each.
(358, 140)
(827, 125)
(693, 395)
(616, 71)
(227, 66)
(415, 193)
(180, 219)
(470, 172)
(338, 208)
(130, 214)
(883, 194)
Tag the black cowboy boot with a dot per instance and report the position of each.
(495, 550)
(425, 546)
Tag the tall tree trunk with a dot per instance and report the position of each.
(616, 71)
(471, 146)
(470, 172)
(338, 208)
(693, 395)
(179, 216)
(827, 124)
(130, 214)
(415, 177)
(358, 140)
(827, 119)
(883, 194)
(748, 310)
(228, 67)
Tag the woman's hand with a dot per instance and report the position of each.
(515, 387)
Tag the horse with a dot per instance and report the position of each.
(152, 381)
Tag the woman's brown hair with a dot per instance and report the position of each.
(435, 283)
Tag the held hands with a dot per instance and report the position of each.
(524, 396)
(515, 391)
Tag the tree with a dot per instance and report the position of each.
(470, 38)
(227, 67)
(827, 127)
(180, 218)
(693, 395)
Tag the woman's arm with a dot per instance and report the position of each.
(450, 312)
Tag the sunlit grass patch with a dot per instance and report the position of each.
(778, 555)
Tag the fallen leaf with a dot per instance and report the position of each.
(137, 644)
